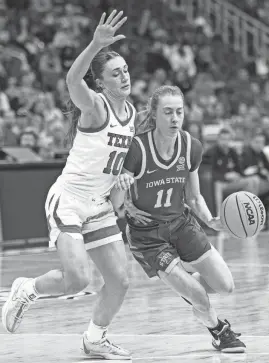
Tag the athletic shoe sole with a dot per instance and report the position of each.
(14, 289)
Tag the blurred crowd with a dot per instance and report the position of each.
(258, 9)
(39, 40)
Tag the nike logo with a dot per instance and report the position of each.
(151, 171)
(113, 125)
(85, 349)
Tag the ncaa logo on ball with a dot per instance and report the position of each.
(261, 208)
(250, 213)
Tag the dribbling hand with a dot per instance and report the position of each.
(105, 31)
(135, 213)
(216, 224)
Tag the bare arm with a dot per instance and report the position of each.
(82, 96)
(120, 192)
(123, 201)
(197, 203)
(195, 199)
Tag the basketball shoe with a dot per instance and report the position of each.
(227, 341)
(103, 349)
(16, 305)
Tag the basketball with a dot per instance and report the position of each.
(243, 214)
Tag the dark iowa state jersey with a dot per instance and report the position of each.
(160, 184)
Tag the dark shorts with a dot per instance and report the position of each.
(161, 247)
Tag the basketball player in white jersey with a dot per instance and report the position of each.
(79, 213)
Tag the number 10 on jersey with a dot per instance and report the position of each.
(114, 163)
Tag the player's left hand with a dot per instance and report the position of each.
(216, 224)
(124, 182)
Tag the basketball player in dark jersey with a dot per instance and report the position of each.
(164, 237)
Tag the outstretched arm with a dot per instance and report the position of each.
(197, 203)
(82, 96)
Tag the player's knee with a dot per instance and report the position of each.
(77, 280)
(121, 283)
(226, 287)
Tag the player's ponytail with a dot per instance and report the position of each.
(73, 113)
(145, 120)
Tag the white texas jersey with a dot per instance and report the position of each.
(97, 155)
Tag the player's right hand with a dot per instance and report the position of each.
(124, 181)
(105, 31)
(135, 213)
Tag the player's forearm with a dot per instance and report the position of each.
(200, 208)
(82, 63)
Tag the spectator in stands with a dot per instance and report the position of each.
(158, 79)
(37, 123)
(9, 138)
(58, 135)
(13, 93)
(4, 102)
(63, 36)
(265, 129)
(51, 112)
(61, 95)
(50, 68)
(196, 130)
(47, 29)
(227, 175)
(22, 121)
(255, 163)
(28, 138)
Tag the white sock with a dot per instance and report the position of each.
(29, 288)
(96, 333)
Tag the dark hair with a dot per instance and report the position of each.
(257, 133)
(73, 113)
(148, 122)
(99, 61)
(225, 131)
(28, 132)
(95, 72)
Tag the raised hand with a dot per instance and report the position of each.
(104, 34)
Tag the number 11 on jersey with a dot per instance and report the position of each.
(167, 198)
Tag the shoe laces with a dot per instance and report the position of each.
(226, 334)
(23, 305)
(111, 345)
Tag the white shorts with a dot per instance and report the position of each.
(81, 218)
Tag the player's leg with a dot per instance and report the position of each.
(75, 273)
(194, 250)
(73, 277)
(214, 273)
(106, 249)
(188, 287)
(111, 261)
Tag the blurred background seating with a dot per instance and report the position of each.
(172, 42)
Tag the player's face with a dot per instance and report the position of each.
(170, 115)
(116, 78)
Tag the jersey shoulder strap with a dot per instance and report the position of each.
(188, 149)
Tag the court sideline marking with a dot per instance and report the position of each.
(129, 335)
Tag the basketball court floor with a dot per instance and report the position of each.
(155, 324)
